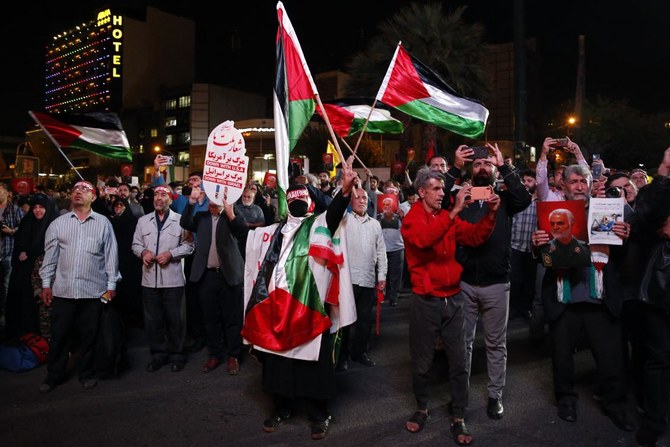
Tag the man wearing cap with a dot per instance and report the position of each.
(161, 244)
(79, 274)
(298, 293)
(218, 270)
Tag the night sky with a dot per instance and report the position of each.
(627, 48)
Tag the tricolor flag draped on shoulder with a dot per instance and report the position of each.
(349, 119)
(294, 100)
(100, 133)
(413, 88)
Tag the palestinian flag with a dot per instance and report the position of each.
(100, 133)
(294, 100)
(348, 120)
(413, 88)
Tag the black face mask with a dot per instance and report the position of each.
(298, 208)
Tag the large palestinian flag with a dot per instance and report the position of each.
(413, 88)
(294, 100)
(100, 133)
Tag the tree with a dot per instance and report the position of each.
(623, 136)
(445, 43)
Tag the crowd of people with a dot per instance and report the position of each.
(298, 291)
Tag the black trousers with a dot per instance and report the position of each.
(222, 306)
(70, 317)
(656, 405)
(165, 322)
(603, 332)
(355, 337)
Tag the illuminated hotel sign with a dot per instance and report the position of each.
(105, 17)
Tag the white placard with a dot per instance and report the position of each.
(603, 214)
(226, 164)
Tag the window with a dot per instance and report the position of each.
(184, 137)
(185, 101)
(154, 132)
(169, 140)
(170, 104)
(171, 121)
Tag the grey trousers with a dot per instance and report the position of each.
(490, 304)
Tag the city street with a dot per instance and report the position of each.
(190, 408)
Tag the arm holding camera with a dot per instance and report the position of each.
(157, 179)
(664, 167)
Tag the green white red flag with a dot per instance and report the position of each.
(349, 119)
(294, 100)
(287, 315)
(100, 133)
(413, 88)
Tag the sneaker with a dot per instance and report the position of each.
(273, 422)
(319, 429)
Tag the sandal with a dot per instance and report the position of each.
(417, 421)
(460, 433)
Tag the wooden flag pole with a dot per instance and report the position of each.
(330, 127)
(365, 126)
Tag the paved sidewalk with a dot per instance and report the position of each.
(190, 408)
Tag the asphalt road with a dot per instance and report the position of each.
(190, 408)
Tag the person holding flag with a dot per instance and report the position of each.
(297, 295)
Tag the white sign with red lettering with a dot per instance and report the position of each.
(225, 172)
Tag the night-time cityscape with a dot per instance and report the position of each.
(395, 223)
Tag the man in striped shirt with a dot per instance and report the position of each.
(79, 274)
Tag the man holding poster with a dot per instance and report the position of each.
(584, 301)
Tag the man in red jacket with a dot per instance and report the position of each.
(430, 235)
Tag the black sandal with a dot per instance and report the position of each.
(417, 421)
(458, 430)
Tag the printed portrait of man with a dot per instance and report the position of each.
(564, 250)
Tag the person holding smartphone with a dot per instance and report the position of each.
(544, 193)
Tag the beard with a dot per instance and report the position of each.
(483, 179)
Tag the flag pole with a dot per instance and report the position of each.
(365, 126)
(354, 154)
(330, 127)
(372, 108)
(56, 144)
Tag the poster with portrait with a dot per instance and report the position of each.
(565, 222)
(603, 214)
(387, 201)
(226, 164)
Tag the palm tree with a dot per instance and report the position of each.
(445, 43)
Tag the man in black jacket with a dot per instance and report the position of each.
(486, 270)
(218, 269)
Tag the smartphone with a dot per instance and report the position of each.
(560, 142)
(596, 168)
(480, 192)
(480, 152)
(112, 191)
(166, 160)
